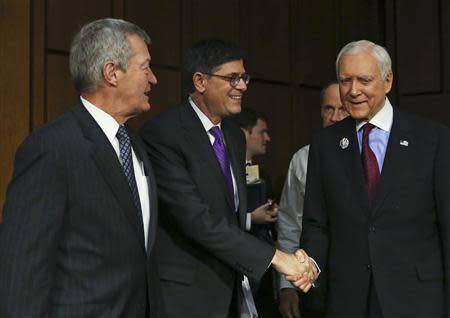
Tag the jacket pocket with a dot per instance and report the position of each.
(180, 273)
(431, 269)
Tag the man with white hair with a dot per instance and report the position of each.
(377, 203)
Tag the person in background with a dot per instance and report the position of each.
(292, 303)
(264, 211)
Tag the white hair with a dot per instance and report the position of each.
(379, 52)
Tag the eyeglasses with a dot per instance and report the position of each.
(233, 79)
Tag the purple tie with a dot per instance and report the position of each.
(222, 156)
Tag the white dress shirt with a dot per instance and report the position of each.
(290, 211)
(110, 127)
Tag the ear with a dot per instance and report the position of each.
(388, 82)
(246, 133)
(199, 81)
(110, 73)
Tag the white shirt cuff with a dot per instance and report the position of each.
(248, 222)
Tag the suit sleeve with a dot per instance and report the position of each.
(442, 193)
(32, 218)
(179, 193)
(314, 236)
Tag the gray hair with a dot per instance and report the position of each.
(98, 42)
(379, 52)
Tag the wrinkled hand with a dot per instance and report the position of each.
(297, 268)
(266, 213)
(304, 281)
(289, 303)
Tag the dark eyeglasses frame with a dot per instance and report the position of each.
(233, 79)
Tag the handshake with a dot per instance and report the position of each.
(298, 268)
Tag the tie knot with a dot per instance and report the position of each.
(368, 127)
(122, 134)
(215, 131)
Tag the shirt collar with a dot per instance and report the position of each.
(383, 119)
(206, 122)
(106, 122)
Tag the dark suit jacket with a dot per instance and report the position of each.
(202, 246)
(71, 243)
(403, 242)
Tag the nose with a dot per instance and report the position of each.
(354, 90)
(267, 137)
(336, 116)
(241, 85)
(151, 77)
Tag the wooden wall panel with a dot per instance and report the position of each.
(274, 101)
(15, 84)
(445, 30)
(307, 115)
(359, 20)
(61, 94)
(434, 107)
(418, 44)
(316, 42)
(161, 20)
(215, 18)
(65, 18)
(269, 46)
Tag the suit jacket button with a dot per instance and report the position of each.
(372, 229)
(368, 267)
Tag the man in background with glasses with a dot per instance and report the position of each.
(199, 158)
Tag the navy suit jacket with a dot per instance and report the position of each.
(71, 241)
(202, 246)
(403, 241)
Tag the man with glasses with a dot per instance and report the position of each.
(199, 156)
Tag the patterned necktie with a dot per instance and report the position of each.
(370, 163)
(127, 164)
(222, 157)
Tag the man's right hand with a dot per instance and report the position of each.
(289, 303)
(296, 267)
(264, 214)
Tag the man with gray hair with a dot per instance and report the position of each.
(377, 203)
(81, 211)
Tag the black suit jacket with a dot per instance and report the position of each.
(71, 241)
(202, 248)
(403, 242)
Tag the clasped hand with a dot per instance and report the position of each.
(298, 268)
(305, 279)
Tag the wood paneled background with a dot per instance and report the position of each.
(292, 45)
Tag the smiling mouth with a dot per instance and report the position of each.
(236, 97)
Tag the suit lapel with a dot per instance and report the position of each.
(351, 158)
(199, 142)
(108, 164)
(140, 151)
(396, 156)
(237, 160)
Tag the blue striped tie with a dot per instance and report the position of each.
(127, 164)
